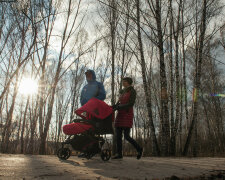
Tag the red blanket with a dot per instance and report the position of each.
(76, 128)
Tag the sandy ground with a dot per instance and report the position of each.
(50, 167)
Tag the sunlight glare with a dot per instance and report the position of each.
(28, 86)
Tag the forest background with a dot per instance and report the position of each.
(173, 50)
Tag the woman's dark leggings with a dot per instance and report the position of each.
(119, 131)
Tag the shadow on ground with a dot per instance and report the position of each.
(50, 167)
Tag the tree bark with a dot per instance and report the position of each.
(177, 79)
(147, 94)
(23, 126)
(198, 76)
(163, 84)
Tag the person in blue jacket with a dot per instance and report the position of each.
(92, 89)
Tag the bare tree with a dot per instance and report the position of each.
(146, 89)
(67, 33)
(198, 73)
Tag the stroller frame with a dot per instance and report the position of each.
(95, 146)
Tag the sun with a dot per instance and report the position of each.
(28, 86)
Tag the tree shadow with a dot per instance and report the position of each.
(71, 162)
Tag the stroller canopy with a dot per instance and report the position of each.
(96, 108)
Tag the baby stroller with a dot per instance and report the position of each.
(85, 134)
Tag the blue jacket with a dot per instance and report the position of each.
(92, 89)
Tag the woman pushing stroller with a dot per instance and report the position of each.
(97, 108)
(124, 118)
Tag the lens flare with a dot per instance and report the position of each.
(219, 95)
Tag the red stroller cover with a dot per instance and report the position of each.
(96, 108)
(93, 107)
(76, 128)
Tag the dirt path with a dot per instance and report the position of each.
(50, 167)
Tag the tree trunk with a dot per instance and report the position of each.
(184, 90)
(7, 130)
(124, 44)
(171, 75)
(176, 122)
(33, 124)
(147, 95)
(113, 33)
(198, 76)
(163, 84)
(23, 126)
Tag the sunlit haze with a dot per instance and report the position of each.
(28, 86)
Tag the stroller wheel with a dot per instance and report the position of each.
(64, 153)
(105, 154)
